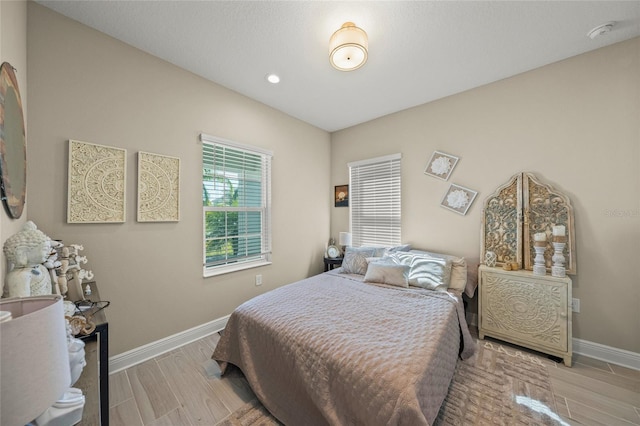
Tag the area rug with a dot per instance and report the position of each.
(497, 386)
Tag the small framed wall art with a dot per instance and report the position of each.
(97, 178)
(441, 165)
(458, 199)
(158, 188)
(341, 196)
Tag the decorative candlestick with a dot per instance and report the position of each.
(539, 245)
(559, 231)
(559, 241)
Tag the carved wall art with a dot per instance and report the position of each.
(158, 188)
(519, 209)
(97, 177)
(458, 199)
(501, 223)
(441, 165)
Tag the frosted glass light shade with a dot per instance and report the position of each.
(348, 47)
(34, 369)
(345, 239)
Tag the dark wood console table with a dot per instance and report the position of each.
(94, 380)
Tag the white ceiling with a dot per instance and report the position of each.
(419, 51)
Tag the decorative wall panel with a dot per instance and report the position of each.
(158, 188)
(545, 208)
(518, 210)
(96, 187)
(502, 224)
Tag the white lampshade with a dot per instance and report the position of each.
(348, 47)
(34, 357)
(345, 238)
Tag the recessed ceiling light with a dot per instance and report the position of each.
(273, 78)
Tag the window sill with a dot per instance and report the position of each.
(212, 272)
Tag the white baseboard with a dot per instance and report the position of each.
(143, 353)
(590, 349)
(607, 353)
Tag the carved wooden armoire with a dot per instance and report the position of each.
(516, 305)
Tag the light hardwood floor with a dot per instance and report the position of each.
(184, 387)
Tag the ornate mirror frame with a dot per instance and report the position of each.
(13, 143)
(515, 212)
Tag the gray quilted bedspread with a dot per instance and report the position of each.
(331, 349)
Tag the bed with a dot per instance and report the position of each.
(374, 342)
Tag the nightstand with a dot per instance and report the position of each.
(330, 263)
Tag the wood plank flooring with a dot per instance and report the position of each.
(184, 387)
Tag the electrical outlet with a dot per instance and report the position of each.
(259, 279)
(575, 305)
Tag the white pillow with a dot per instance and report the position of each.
(387, 273)
(431, 273)
(458, 279)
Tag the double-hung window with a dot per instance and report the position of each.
(236, 204)
(375, 198)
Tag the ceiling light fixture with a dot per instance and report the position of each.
(348, 47)
(273, 78)
(600, 30)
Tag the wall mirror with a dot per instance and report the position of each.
(13, 148)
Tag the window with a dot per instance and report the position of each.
(236, 205)
(375, 193)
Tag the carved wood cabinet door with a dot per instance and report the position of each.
(529, 309)
(526, 309)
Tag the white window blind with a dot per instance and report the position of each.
(236, 203)
(375, 198)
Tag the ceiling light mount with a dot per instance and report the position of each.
(348, 47)
(601, 30)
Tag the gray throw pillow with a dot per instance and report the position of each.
(355, 259)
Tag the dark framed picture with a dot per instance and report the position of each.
(342, 196)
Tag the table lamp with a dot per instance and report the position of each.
(34, 357)
(345, 240)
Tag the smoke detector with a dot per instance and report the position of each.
(600, 30)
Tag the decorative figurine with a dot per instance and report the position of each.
(26, 251)
(39, 265)
(70, 271)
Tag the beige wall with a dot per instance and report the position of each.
(13, 49)
(576, 125)
(89, 87)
